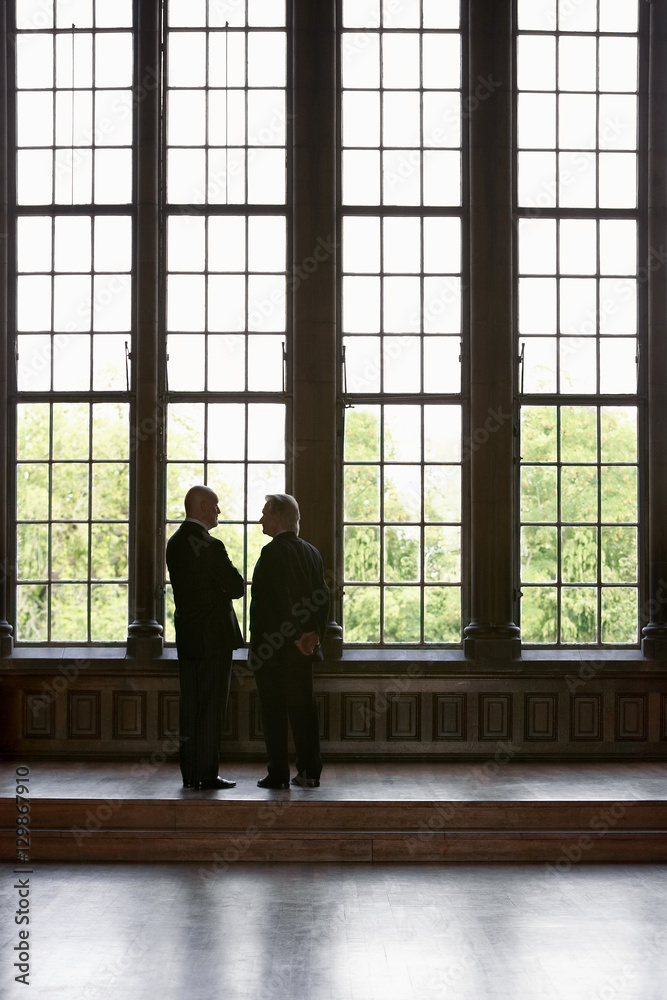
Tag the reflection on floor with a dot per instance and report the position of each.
(340, 932)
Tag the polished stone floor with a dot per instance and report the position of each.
(340, 932)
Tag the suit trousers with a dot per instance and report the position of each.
(204, 684)
(286, 697)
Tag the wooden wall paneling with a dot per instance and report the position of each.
(39, 715)
(631, 717)
(358, 715)
(322, 702)
(333, 710)
(541, 717)
(609, 714)
(427, 716)
(129, 715)
(586, 717)
(84, 715)
(612, 716)
(653, 717)
(495, 716)
(450, 717)
(404, 717)
(167, 714)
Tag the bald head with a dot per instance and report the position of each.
(201, 502)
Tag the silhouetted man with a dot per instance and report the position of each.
(288, 614)
(204, 582)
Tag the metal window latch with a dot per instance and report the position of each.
(128, 358)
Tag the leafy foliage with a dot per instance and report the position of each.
(398, 572)
(579, 514)
(73, 511)
(579, 536)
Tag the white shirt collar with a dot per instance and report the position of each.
(197, 522)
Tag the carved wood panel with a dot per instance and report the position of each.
(541, 717)
(404, 717)
(84, 715)
(357, 716)
(449, 717)
(39, 715)
(167, 714)
(612, 719)
(129, 715)
(630, 717)
(586, 717)
(495, 716)
(322, 702)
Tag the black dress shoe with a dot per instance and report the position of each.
(269, 782)
(216, 783)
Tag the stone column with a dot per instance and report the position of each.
(312, 285)
(145, 633)
(5, 574)
(654, 643)
(491, 633)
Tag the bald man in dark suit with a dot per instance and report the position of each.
(204, 582)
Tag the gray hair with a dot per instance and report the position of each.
(287, 509)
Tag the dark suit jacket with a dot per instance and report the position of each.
(289, 596)
(204, 582)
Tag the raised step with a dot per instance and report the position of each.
(221, 831)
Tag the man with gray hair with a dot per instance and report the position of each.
(289, 608)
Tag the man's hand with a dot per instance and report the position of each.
(307, 643)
